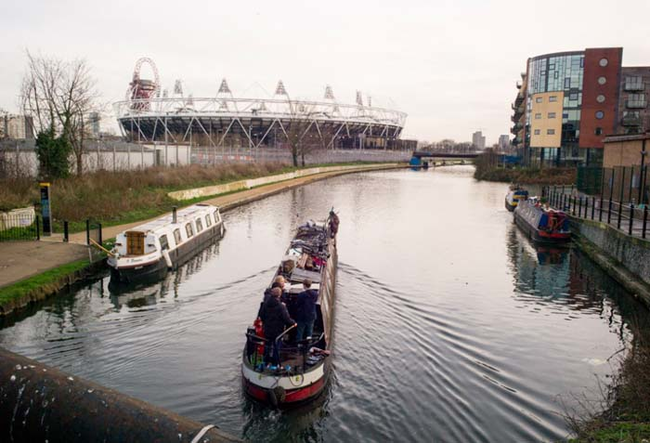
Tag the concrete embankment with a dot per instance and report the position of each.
(625, 258)
(41, 403)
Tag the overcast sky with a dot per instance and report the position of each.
(450, 65)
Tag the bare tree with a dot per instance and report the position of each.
(297, 131)
(59, 95)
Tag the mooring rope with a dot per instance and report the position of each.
(201, 433)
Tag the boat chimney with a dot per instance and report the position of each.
(174, 215)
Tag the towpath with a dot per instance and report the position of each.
(22, 259)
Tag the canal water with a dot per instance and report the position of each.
(450, 325)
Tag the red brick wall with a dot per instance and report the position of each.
(591, 89)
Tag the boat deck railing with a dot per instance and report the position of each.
(295, 357)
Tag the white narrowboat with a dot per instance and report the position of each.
(149, 250)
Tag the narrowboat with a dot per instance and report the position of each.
(541, 223)
(515, 195)
(148, 251)
(304, 366)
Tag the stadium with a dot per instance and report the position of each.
(150, 115)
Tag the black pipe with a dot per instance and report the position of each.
(41, 403)
(629, 231)
(645, 220)
(66, 232)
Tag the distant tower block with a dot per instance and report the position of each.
(224, 88)
(178, 87)
(279, 90)
(329, 94)
(359, 99)
(369, 102)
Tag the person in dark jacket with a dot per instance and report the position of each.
(306, 310)
(278, 282)
(275, 318)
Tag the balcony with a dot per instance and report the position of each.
(631, 120)
(636, 103)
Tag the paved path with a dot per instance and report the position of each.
(22, 259)
(230, 201)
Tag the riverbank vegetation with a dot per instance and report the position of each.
(39, 286)
(626, 402)
(489, 168)
(126, 196)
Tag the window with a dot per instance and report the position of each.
(177, 236)
(208, 222)
(573, 96)
(634, 83)
(164, 243)
(538, 116)
(602, 80)
(537, 132)
(636, 101)
(567, 83)
(550, 132)
(598, 131)
(603, 62)
(600, 98)
(551, 115)
(199, 225)
(552, 98)
(216, 216)
(600, 115)
(538, 99)
(189, 231)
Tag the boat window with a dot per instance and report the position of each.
(164, 243)
(199, 225)
(134, 243)
(177, 236)
(216, 216)
(189, 230)
(208, 222)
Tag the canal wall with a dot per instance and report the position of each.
(207, 191)
(41, 403)
(625, 258)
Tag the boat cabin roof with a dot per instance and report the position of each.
(182, 216)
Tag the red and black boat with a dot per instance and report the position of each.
(542, 223)
(304, 368)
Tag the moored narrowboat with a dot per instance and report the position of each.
(303, 367)
(148, 251)
(514, 196)
(541, 223)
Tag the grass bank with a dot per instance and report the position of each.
(128, 196)
(531, 176)
(41, 286)
(626, 401)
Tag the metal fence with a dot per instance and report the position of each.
(19, 226)
(628, 217)
(621, 183)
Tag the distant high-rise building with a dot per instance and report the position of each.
(504, 142)
(18, 127)
(478, 140)
(94, 120)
